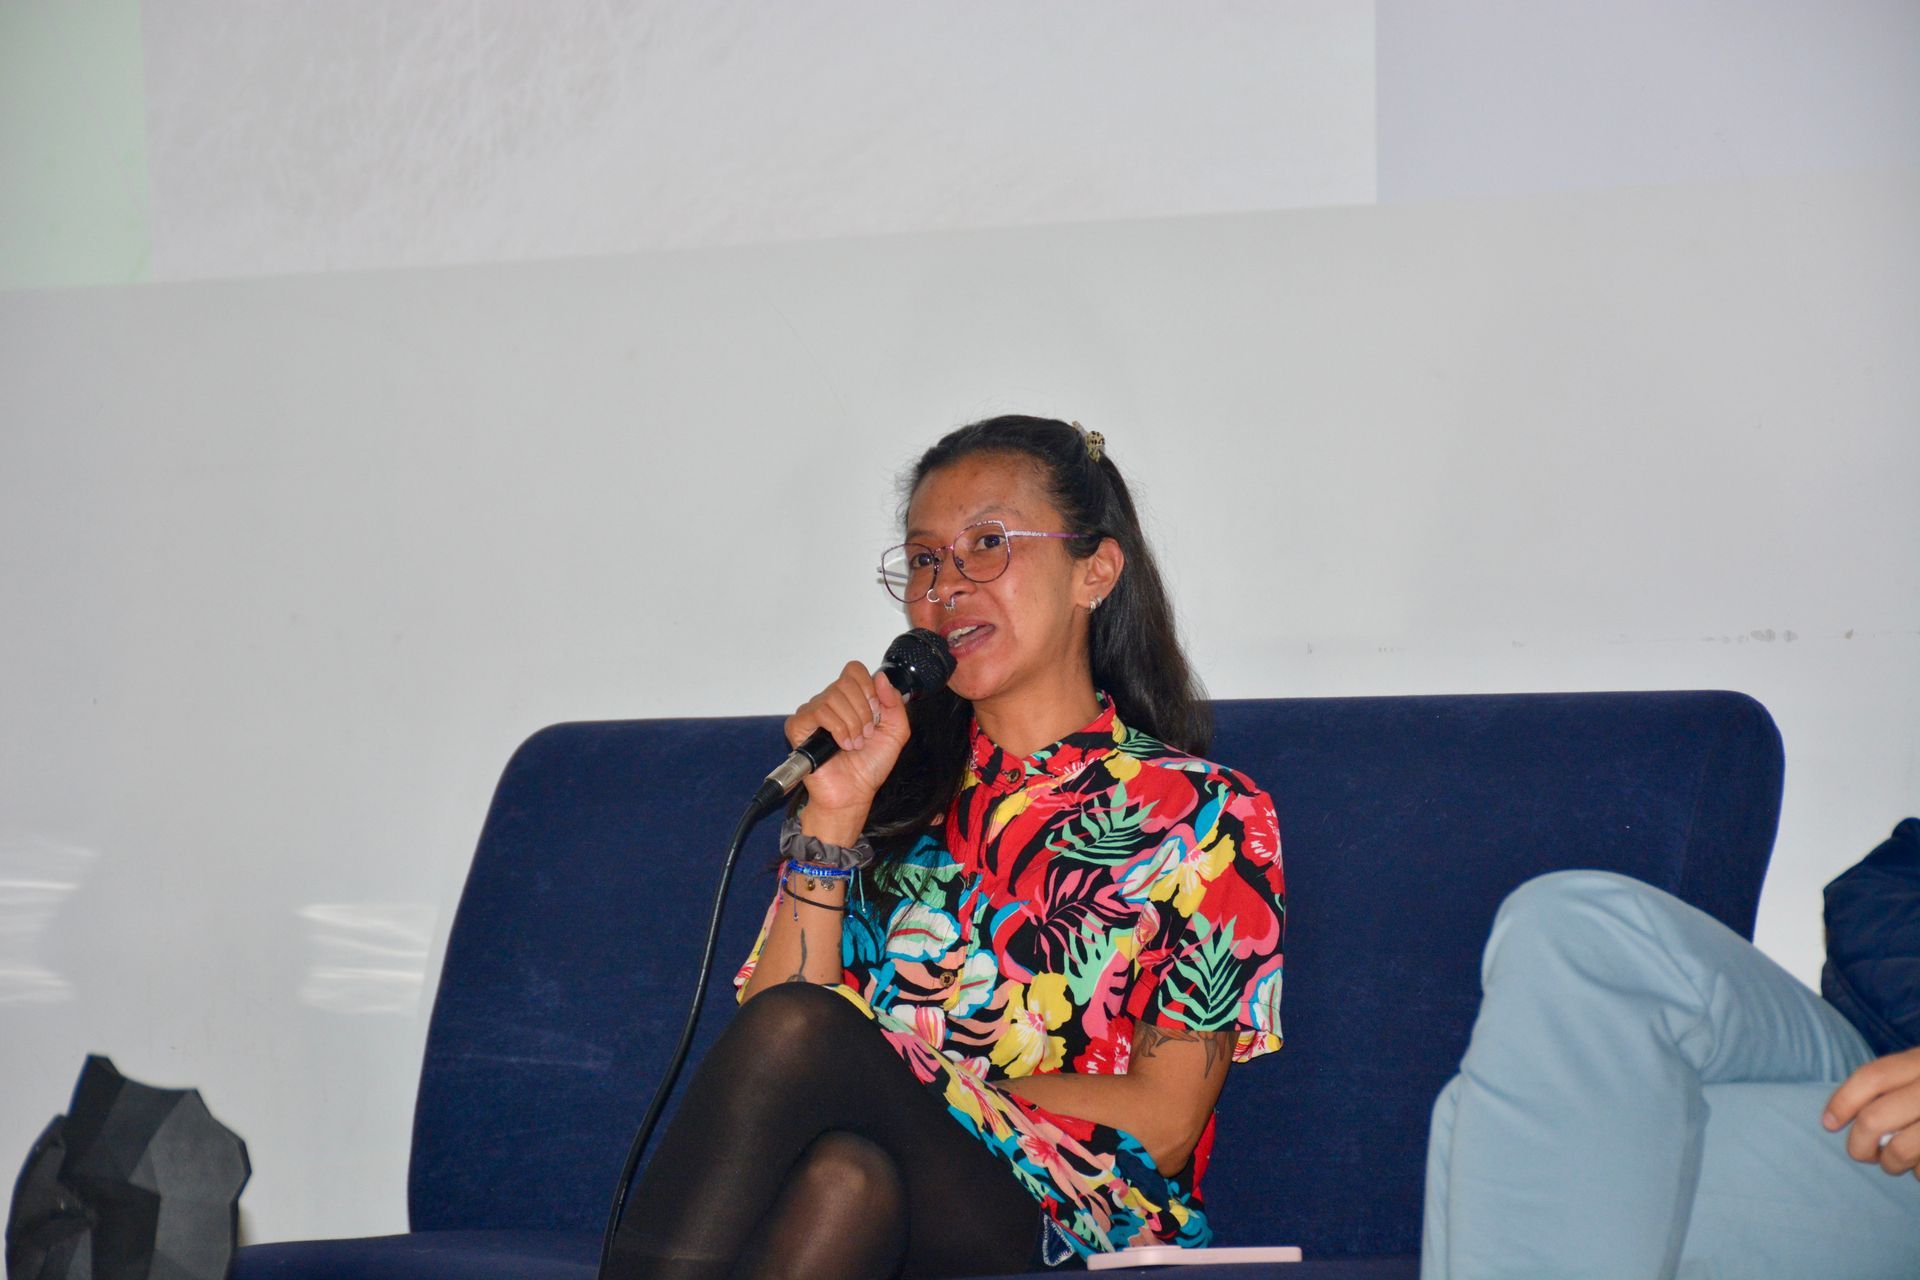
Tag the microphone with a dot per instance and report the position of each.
(916, 663)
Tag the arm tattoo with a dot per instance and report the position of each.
(1148, 1037)
(800, 972)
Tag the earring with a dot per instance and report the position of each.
(1095, 603)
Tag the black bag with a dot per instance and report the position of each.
(1872, 972)
(132, 1182)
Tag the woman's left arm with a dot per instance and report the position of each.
(1164, 1099)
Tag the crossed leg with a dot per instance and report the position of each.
(1641, 1097)
(805, 1147)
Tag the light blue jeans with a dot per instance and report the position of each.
(1642, 1098)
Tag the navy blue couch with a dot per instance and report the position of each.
(1403, 821)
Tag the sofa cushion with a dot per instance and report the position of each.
(545, 1255)
(428, 1255)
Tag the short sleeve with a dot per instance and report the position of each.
(1226, 893)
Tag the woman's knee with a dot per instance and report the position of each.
(842, 1212)
(842, 1167)
(787, 1030)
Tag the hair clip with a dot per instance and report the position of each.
(1096, 443)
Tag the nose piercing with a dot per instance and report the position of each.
(952, 604)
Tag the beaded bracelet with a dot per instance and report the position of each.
(814, 871)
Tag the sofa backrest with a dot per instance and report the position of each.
(1403, 823)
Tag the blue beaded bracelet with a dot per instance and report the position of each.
(814, 871)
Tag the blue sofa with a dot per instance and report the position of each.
(1404, 821)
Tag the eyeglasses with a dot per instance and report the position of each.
(980, 554)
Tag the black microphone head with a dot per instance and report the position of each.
(918, 663)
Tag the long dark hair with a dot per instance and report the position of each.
(1135, 651)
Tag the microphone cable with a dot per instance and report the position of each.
(755, 811)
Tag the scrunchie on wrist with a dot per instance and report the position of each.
(797, 846)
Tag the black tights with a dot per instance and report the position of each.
(805, 1147)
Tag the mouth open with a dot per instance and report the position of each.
(964, 640)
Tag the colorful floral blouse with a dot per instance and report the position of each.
(1106, 879)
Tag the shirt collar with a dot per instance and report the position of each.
(996, 769)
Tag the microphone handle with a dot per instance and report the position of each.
(804, 759)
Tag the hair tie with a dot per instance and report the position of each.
(1096, 443)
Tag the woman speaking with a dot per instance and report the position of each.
(1022, 927)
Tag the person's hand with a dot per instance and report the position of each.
(1882, 1102)
(868, 718)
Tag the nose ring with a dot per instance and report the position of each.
(933, 594)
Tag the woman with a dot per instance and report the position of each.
(997, 1042)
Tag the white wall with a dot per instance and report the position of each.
(484, 130)
(289, 564)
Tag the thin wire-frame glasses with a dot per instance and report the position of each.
(981, 553)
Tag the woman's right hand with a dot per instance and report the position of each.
(1881, 1100)
(868, 719)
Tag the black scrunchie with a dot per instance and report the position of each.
(796, 846)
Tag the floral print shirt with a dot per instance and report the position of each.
(1067, 896)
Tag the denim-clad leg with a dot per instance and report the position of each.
(1641, 1098)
